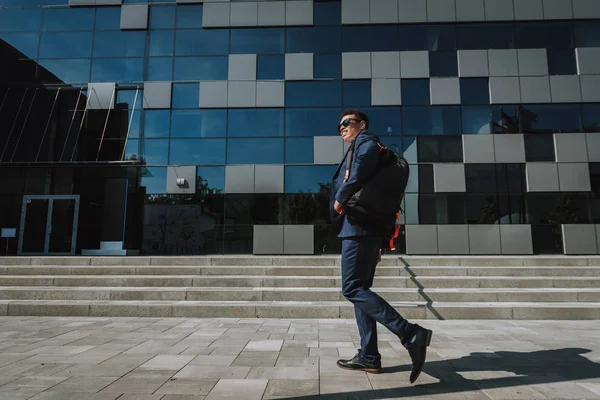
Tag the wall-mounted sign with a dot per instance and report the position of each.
(9, 232)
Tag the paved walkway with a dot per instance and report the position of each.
(177, 359)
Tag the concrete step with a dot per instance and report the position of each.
(297, 281)
(330, 271)
(295, 310)
(294, 294)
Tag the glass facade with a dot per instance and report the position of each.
(80, 115)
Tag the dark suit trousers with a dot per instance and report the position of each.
(359, 259)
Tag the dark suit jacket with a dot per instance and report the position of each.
(365, 157)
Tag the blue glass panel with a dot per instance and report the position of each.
(591, 117)
(270, 67)
(156, 123)
(415, 92)
(551, 118)
(212, 177)
(476, 120)
(108, 18)
(56, 2)
(314, 40)
(409, 150)
(432, 37)
(155, 151)
(357, 93)
(587, 33)
(313, 94)
(255, 151)
(443, 63)
(161, 43)
(416, 120)
(256, 122)
(20, 19)
(134, 119)
(120, 44)
(160, 69)
(312, 121)
(299, 151)
(155, 180)
(486, 36)
(199, 123)
(26, 43)
(186, 95)
(258, 41)
(197, 151)
(370, 38)
(129, 97)
(395, 142)
(69, 71)
(201, 68)
(26, 3)
(117, 70)
(68, 19)
(202, 42)
(162, 17)
(189, 16)
(327, 13)
(445, 120)
(562, 62)
(544, 35)
(474, 91)
(66, 44)
(307, 178)
(327, 66)
(384, 120)
(135, 1)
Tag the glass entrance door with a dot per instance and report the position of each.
(49, 224)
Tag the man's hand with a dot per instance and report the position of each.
(338, 207)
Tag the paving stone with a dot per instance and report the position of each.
(264, 345)
(256, 359)
(278, 388)
(164, 362)
(188, 387)
(84, 384)
(310, 372)
(212, 372)
(251, 389)
(182, 397)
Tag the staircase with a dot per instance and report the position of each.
(299, 287)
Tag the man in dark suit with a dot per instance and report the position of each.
(360, 252)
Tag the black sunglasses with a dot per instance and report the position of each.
(346, 123)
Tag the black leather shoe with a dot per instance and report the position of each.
(358, 364)
(417, 350)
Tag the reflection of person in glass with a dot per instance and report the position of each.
(360, 251)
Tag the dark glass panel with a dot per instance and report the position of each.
(489, 35)
(189, 16)
(198, 123)
(157, 123)
(443, 64)
(562, 62)
(550, 118)
(305, 179)
(118, 70)
(299, 150)
(108, 18)
(200, 68)
(238, 239)
(328, 66)
(270, 67)
(475, 91)
(21, 19)
(415, 92)
(445, 120)
(357, 93)
(483, 209)
(476, 120)
(120, 44)
(435, 149)
(511, 178)
(185, 95)
(313, 94)
(67, 71)
(558, 208)
(322, 40)
(591, 117)
(128, 97)
(254, 151)
(256, 122)
(384, 120)
(305, 209)
(546, 35)
(425, 172)
(312, 121)
(539, 147)
(481, 178)
(432, 37)
(160, 69)
(252, 209)
(68, 19)
(370, 38)
(26, 43)
(66, 45)
(155, 151)
(595, 177)
(512, 209)
(197, 151)
(327, 13)
(161, 43)
(204, 42)
(162, 17)
(258, 41)
(587, 33)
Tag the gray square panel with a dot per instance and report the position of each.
(532, 62)
(412, 11)
(239, 179)
(570, 147)
(589, 88)
(213, 94)
(243, 14)
(299, 12)
(215, 15)
(541, 176)
(470, 10)
(484, 239)
(499, 10)
(356, 65)
(108, 2)
(473, 63)
(505, 90)
(384, 11)
(414, 64)
(579, 239)
(558, 9)
(270, 94)
(355, 12)
(509, 148)
(385, 92)
(271, 13)
(516, 239)
(421, 239)
(593, 146)
(299, 66)
(298, 239)
(449, 178)
(441, 11)
(241, 94)
(565, 89)
(444, 91)
(478, 149)
(528, 9)
(410, 206)
(453, 239)
(101, 96)
(503, 62)
(535, 89)
(157, 95)
(268, 179)
(385, 64)
(187, 173)
(242, 67)
(586, 9)
(134, 16)
(574, 177)
(268, 239)
(328, 149)
(588, 60)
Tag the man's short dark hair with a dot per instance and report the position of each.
(359, 115)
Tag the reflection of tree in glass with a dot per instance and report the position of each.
(564, 213)
(309, 208)
(490, 213)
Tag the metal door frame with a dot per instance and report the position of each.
(50, 199)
